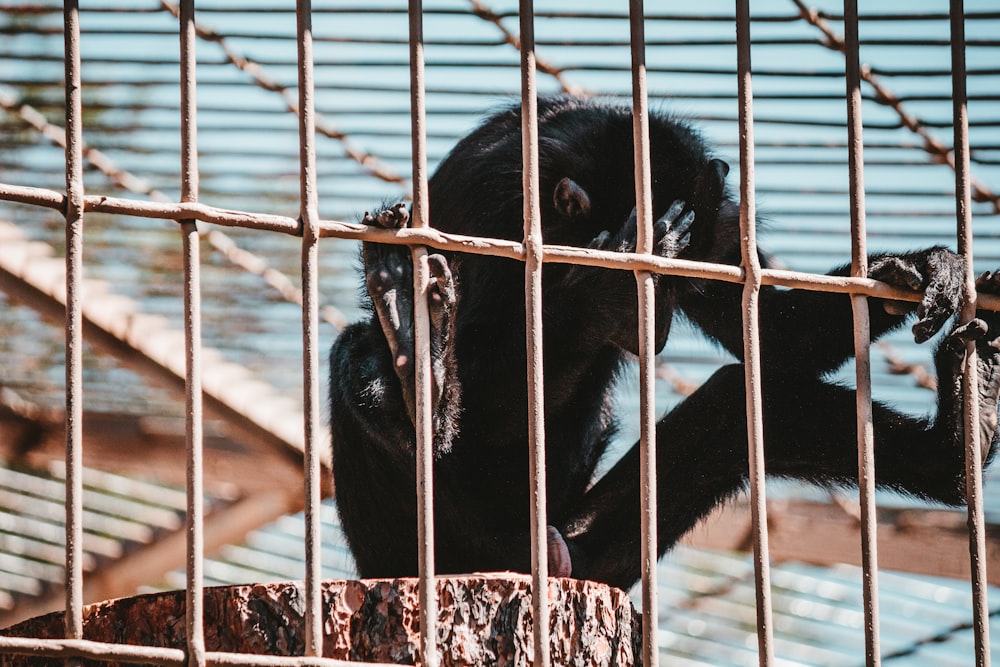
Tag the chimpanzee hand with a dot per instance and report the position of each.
(671, 233)
(938, 272)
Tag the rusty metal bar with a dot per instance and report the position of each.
(195, 519)
(469, 244)
(646, 289)
(74, 323)
(533, 318)
(309, 219)
(476, 245)
(751, 340)
(193, 430)
(862, 340)
(188, 108)
(970, 384)
(155, 655)
(426, 589)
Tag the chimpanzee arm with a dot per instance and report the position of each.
(810, 435)
(813, 330)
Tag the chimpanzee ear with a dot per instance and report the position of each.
(570, 200)
(721, 171)
(714, 183)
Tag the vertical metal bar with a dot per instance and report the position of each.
(533, 315)
(192, 344)
(74, 323)
(862, 340)
(970, 385)
(309, 217)
(193, 436)
(647, 344)
(189, 107)
(421, 336)
(751, 338)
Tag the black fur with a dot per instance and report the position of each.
(478, 334)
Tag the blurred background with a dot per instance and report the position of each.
(248, 159)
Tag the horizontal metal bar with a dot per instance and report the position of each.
(152, 655)
(555, 254)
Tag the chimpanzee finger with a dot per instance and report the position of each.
(674, 240)
(673, 212)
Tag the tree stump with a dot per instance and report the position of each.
(484, 619)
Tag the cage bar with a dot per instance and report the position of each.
(970, 379)
(157, 655)
(646, 290)
(862, 339)
(309, 220)
(533, 252)
(751, 340)
(426, 589)
(533, 319)
(478, 245)
(195, 517)
(74, 323)
(469, 244)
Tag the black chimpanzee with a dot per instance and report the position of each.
(479, 368)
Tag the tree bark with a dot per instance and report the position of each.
(483, 620)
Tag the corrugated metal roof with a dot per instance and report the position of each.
(120, 514)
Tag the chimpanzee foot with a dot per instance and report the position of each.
(560, 564)
(950, 359)
(988, 352)
(394, 217)
(988, 361)
(389, 279)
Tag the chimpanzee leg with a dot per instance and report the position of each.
(810, 434)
